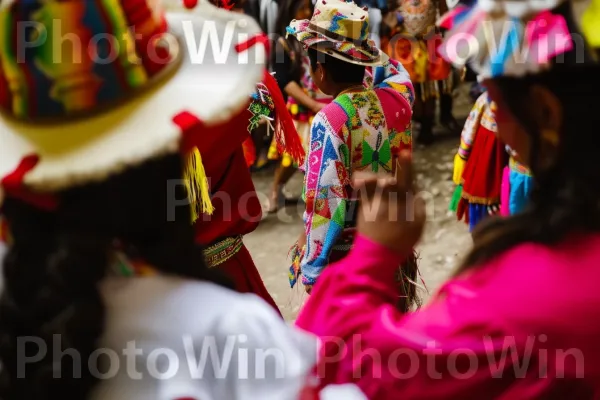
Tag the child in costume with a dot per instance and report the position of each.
(364, 128)
(516, 287)
(488, 181)
(479, 165)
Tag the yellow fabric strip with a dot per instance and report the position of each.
(459, 167)
(590, 23)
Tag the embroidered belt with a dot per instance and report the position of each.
(222, 251)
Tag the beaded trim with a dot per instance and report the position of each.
(222, 251)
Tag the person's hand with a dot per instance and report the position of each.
(390, 212)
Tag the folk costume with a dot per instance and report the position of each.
(413, 42)
(72, 124)
(485, 310)
(479, 165)
(362, 130)
(171, 99)
(234, 208)
(489, 182)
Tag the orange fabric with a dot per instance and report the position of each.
(419, 57)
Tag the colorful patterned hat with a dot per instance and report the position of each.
(340, 29)
(514, 37)
(89, 88)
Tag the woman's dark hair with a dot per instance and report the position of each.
(56, 261)
(287, 11)
(339, 70)
(565, 196)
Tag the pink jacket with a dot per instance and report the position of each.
(523, 326)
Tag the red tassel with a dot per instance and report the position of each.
(286, 135)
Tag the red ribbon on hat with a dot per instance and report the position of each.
(14, 186)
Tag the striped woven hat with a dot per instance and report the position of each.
(91, 87)
(340, 29)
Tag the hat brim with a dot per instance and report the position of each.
(212, 86)
(370, 56)
(325, 48)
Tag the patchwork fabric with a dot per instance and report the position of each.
(359, 131)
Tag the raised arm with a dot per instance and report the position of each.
(366, 340)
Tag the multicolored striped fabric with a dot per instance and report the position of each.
(59, 58)
(340, 28)
(361, 130)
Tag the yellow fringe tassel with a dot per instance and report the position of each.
(197, 187)
(459, 167)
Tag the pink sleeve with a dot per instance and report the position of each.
(427, 354)
(505, 193)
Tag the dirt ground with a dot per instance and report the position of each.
(443, 244)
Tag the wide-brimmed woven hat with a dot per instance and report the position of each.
(90, 88)
(340, 29)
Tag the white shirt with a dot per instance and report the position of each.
(168, 338)
(161, 331)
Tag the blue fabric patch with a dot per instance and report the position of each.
(329, 153)
(520, 188)
(477, 213)
(312, 270)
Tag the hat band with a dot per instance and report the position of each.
(336, 36)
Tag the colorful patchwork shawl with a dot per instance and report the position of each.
(359, 131)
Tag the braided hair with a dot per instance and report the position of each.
(56, 261)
